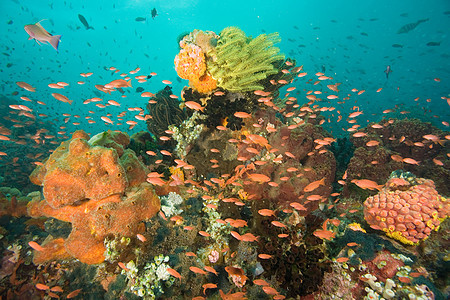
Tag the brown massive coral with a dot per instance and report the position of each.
(399, 141)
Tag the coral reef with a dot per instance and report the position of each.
(249, 207)
(99, 193)
(204, 84)
(292, 167)
(240, 62)
(12, 202)
(190, 62)
(407, 144)
(406, 210)
(164, 111)
(76, 171)
(150, 282)
(186, 134)
(231, 61)
(297, 262)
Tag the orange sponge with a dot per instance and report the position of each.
(190, 62)
(204, 84)
(98, 193)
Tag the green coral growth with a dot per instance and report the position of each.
(241, 62)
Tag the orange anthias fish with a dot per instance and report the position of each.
(118, 83)
(314, 185)
(242, 115)
(261, 178)
(26, 86)
(260, 282)
(324, 234)
(174, 273)
(266, 212)
(61, 98)
(37, 32)
(36, 246)
(194, 105)
(197, 270)
(367, 184)
(73, 294)
(208, 286)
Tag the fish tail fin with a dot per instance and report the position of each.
(54, 41)
(90, 27)
(70, 102)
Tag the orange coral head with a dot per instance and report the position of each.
(190, 62)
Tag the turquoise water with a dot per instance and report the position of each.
(353, 42)
(324, 35)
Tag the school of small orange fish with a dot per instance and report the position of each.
(132, 116)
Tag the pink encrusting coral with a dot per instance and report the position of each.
(407, 211)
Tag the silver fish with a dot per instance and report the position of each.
(37, 32)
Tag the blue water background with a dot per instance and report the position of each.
(321, 35)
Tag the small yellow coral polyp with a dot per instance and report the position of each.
(204, 84)
(397, 235)
(356, 227)
(190, 62)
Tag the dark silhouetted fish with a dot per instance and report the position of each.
(139, 89)
(431, 44)
(154, 13)
(365, 34)
(140, 19)
(408, 27)
(404, 15)
(85, 23)
(397, 45)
